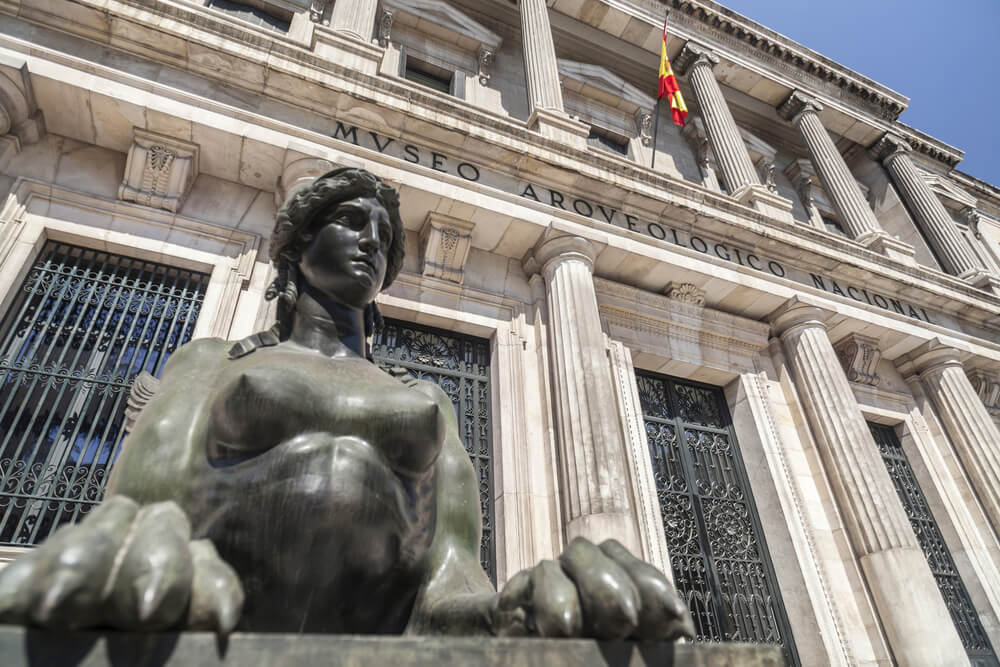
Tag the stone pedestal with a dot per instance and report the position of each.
(23, 648)
(915, 618)
(970, 428)
(594, 479)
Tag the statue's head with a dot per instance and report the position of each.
(341, 235)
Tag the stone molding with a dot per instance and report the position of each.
(557, 247)
(859, 355)
(889, 147)
(298, 173)
(444, 246)
(20, 117)
(803, 64)
(159, 171)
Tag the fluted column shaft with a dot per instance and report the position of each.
(588, 431)
(968, 424)
(956, 255)
(540, 68)
(838, 182)
(354, 17)
(880, 531)
(723, 135)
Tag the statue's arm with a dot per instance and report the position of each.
(457, 596)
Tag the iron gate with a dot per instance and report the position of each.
(949, 582)
(717, 551)
(460, 365)
(82, 326)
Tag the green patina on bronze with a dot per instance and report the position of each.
(286, 483)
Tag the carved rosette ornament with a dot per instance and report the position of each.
(686, 292)
(859, 355)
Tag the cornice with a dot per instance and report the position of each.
(927, 145)
(772, 48)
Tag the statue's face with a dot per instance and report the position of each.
(346, 259)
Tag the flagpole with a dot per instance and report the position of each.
(656, 130)
(656, 111)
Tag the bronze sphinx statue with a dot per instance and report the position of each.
(322, 494)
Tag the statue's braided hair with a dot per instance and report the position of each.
(294, 230)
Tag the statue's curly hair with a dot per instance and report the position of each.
(294, 229)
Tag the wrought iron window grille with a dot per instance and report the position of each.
(83, 324)
(460, 365)
(956, 596)
(717, 551)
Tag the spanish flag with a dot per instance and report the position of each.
(668, 84)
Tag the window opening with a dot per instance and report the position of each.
(956, 597)
(717, 551)
(252, 14)
(460, 365)
(82, 326)
(428, 75)
(833, 226)
(606, 140)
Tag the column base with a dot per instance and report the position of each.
(556, 125)
(347, 50)
(982, 279)
(891, 247)
(758, 197)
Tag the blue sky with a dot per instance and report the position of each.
(943, 55)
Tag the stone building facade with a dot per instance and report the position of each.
(770, 364)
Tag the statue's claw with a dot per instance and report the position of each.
(123, 567)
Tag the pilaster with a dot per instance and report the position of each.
(880, 533)
(855, 214)
(968, 424)
(594, 479)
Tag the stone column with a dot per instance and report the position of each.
(697, 62)
(540, 68)
(541, 73)
(893, 151)
(354, 17)
(906, 596)
(594, 478)
(855, 214)
(968, 424)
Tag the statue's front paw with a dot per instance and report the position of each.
(592, 591)
(123, 567)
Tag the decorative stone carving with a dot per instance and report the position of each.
(385, 26)
(859, 355)
(317, 9)
(987, 385)
(686, 292)
(485, 63)
(159, 171)
(768, 169)
(144, 387)
(444, 246)
(644, 124)
(21, 121)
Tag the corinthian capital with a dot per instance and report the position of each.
(889, 147)
(694, 54)
(797, 104)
